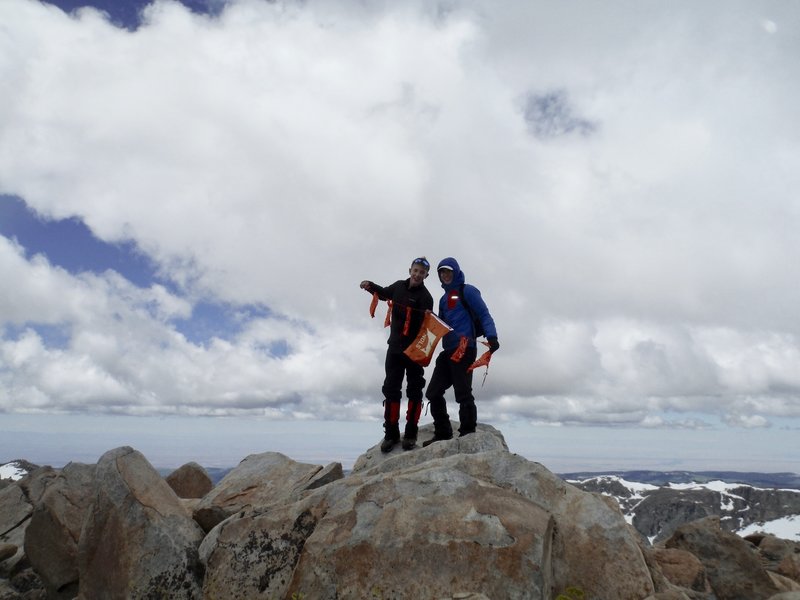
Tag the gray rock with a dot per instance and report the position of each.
(137, 540)
(733, 568)
(258, 481)
(51, 540)
(15, 513)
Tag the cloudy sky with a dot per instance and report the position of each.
(190, 194)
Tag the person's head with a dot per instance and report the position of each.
(418, 271)
(450, 273)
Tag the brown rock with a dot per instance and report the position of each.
(190, 481)
(7, 551)
(778, 555)
(682, 568)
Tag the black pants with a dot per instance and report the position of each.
(447, 373)
(398, 365)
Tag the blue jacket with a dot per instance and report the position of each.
(453, 312)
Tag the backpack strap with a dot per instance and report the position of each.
(476, 323)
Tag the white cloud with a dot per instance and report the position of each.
(279, 153)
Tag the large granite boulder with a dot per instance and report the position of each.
(137, 540)
(51, 540)
(458, 517)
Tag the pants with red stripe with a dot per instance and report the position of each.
(399, 366)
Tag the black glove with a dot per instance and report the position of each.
(493, 344)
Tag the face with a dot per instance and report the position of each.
(418, 275)
(446, 276)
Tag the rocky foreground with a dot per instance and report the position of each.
(459, 519)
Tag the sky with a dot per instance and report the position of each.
(190, 194)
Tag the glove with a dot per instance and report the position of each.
(493, 344)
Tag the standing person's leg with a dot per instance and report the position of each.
(392, 393)
(415, 376)
(440, 382)
(462, 386)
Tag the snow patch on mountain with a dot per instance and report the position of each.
(735, 503)
(787, 528)
(13, 471)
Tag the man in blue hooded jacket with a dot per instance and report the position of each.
(463, 309)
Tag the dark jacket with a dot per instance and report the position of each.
(453, 312)
(418, 298)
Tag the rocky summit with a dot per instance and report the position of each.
(463, 518)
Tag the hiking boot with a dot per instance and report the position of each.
(436, 438)
(391, 437)
(388, 443)
(463, 433)
(410, 436)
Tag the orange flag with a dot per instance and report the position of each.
(432, 330)
(388, 320)
(483, 361)
(373, 305)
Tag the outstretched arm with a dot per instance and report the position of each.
(374, 288)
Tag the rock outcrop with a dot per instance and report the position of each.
(458, 519)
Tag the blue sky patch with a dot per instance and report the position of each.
(69, 244)
(127, 13)
(53, 336)
(218, 320)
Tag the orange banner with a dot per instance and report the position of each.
(432, 330)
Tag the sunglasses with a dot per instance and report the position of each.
(423, 262)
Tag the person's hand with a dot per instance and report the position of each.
(493, 344)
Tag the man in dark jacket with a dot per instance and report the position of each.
(463, 309)
(410, 299)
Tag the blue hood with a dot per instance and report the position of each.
(458, 274)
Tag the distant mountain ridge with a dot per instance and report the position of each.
(656, 510)
(662, 478)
